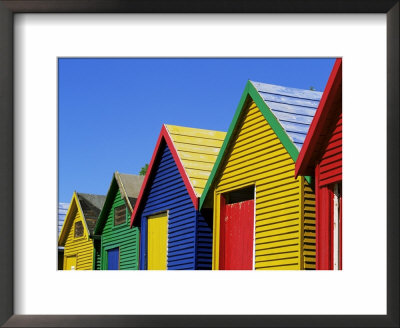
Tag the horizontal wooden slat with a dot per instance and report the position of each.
(285, 212)
(285, 264)
(197, 157)
(281, 223)
(193, 132)
(196, 148)
(278, 250)
(263, 221)
(189, 140)
(278, 244)
(275, 151)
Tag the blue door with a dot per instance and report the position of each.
(113, 259)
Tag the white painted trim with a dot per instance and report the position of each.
(336, 227)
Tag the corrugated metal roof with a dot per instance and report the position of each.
(197, 149)
(294, 108)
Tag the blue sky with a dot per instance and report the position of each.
(111, 110)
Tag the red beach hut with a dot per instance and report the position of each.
(321, 156)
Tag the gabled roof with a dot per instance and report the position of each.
(129, 187)
(197, 149)
(327, 109)
(289, 112)
(89, 206)
(293, 108)
(194, 152)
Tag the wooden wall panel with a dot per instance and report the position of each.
(122, 236)
(157, 235)
(331, 162)
(198, 150)
(81, 247)
(309, 227)
(257, 157)
(167, 192)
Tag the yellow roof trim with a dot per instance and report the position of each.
(68, 217)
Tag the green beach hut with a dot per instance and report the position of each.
(116, 245)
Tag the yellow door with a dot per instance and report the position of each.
(70, 263)
(157, 234)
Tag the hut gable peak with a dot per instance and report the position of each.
(89, 206)
(293, 108)
(128, 186)
(327, 110)
(197, 150)
(194, 152)
(288, 111)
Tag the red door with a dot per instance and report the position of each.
(236, 236)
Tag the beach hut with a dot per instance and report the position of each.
(116, 245)
(77, 229)
(263, 217)
(174, 234)
(321, 156)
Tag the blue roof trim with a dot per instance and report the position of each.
(293, 108)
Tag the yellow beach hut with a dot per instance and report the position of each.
(264, 218)
(77, 229)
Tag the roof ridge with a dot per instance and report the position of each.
(284, 86)
(287, 140)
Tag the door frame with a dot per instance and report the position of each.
(336, 226)
(104, 254)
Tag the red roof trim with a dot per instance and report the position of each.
(319, 122)
(164, 136)
(181, 169)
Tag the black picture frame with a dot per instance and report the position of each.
(10, 7)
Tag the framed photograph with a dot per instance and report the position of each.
(35, 35)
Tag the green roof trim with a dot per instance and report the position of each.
(274, 123)
(250, 91)
(98, 229)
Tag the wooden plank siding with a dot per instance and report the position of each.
(167, 192)
(330, 165)
(113, 228)
(309, 226)
(83, 209)
(181, 163)
(81, 247)
(257, 157)
(198, 150)
(204, 240)
(97, 255)
(121, 236)
(321, 156)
